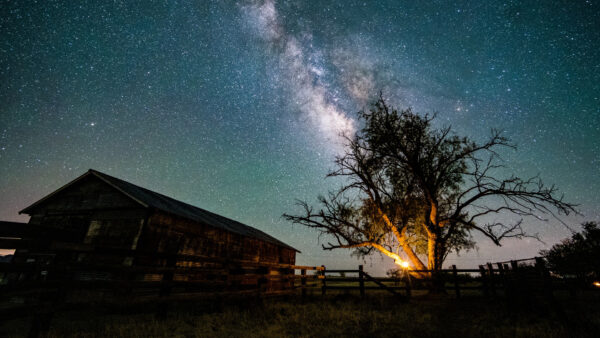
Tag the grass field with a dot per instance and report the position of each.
(337, 315)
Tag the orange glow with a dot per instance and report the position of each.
(402, 263)
(596, 284)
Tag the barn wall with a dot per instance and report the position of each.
(93, 212)
(90, 211)
(169, 233)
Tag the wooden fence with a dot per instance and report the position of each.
(42, 287)
(48, 275)
(512, 279)
(40, 290)
(402, 285)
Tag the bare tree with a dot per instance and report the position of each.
(413, 191)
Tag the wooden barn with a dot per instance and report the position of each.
(103, 211)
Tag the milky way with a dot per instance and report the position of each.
(301, 72)
(238, 107)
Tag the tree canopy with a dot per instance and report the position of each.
(578, 255)
(414, 191)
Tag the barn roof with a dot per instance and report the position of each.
(150, 199)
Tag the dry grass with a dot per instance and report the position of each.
(338, 316)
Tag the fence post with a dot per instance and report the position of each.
(503, 278)
(361, 280)
(456, 286)
(43, 315)
(303, 282)
(517, 280)
(323, 280)
(259, 286)
(484, 280)
(408, 283)
(263, 282)
(492, 279)
(165, 288)
(540, 264)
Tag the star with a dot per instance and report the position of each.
(238, 107)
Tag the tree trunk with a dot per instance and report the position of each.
(412, 257)
(434, 263)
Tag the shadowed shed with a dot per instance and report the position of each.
(102, 210)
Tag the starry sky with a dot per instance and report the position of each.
(236, 106)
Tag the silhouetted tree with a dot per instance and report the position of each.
(578, 255)
(413, 190)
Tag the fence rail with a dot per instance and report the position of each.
(42, 287)
(508, 280)
(50, 270)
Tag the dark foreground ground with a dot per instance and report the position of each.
(336, 316)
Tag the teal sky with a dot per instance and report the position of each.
(235, 106)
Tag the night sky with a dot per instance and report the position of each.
(235, 107)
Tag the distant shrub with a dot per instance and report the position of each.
(578, 255)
